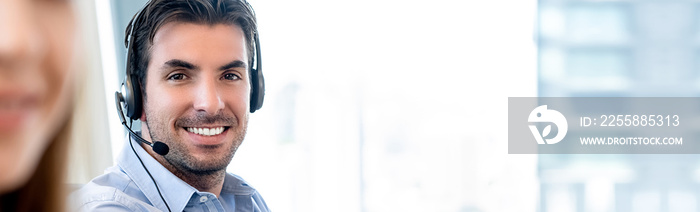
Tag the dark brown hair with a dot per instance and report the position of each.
(45, 190)
(157, 13)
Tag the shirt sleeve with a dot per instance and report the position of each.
(99, 198)
(98, 206)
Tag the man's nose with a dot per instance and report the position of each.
(208, 97)
(20, 40)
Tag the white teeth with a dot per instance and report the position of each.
(206, 131)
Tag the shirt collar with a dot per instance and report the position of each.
(235, 185)
(175, 191)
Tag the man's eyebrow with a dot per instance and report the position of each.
(176, 63)
(234, 64)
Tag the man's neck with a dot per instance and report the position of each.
(210, 182)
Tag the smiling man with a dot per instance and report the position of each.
(190, 69)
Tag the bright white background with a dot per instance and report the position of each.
(380, 105)
(395, 106)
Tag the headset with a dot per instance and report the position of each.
(129, 96)
(131, 89)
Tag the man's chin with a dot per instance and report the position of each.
(206, 153)
(206, 161)
(206, 168)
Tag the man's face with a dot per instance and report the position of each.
(197, 94)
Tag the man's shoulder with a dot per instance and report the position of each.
(112, 191)
(238, 186)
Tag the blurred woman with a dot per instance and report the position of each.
(36, 91)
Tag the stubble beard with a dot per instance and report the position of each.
(179, 156)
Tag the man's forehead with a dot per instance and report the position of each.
(196, 43)
(170, 26)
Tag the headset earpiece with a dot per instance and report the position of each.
(257, 81)
(132, 97)
(131, 88)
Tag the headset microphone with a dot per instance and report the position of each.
(158, 147)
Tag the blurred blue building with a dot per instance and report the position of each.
(618, 48)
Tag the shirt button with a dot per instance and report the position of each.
(203, 199)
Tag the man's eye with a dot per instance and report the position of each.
(231, 76)
(176, 77)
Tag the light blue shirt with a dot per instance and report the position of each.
(127, 187)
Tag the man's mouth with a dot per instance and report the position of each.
(206, 131)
